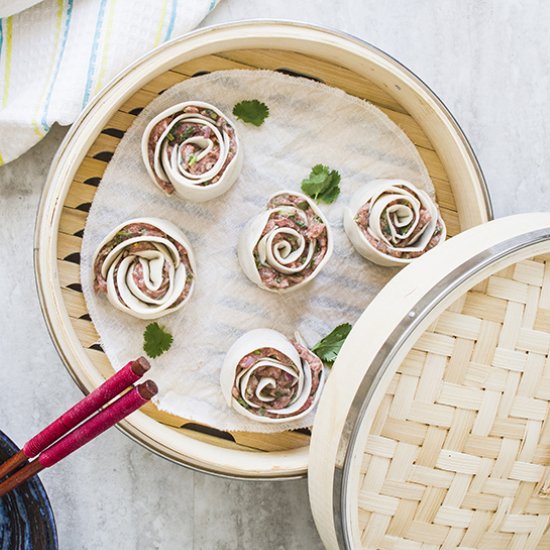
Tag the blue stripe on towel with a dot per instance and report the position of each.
(170, 28)
(44, 120)
(93, 53)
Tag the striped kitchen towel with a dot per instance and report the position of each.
(57, 54)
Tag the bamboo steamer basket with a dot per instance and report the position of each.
(297, 49)
(433, 427)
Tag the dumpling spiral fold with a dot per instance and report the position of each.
(271, 379)
(391, 222)
(285, 246)
(192, 149)
(145, 267)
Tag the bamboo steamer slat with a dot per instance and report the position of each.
(76, 172)
(439, 436)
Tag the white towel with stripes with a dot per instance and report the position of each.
(58, 54)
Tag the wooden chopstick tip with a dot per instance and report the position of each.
(12, 464)
(20, 476)
(140, 366)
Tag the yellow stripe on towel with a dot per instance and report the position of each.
(7, 63)
(105, 46)
(163, 13)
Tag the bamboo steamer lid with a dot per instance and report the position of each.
(432, 431)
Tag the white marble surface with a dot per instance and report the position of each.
(489, 62)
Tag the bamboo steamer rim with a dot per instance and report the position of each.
(419, 294)
(299, 37)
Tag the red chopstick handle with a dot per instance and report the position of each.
(125, 377)
(102, 421)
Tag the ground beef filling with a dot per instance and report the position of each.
(424, 218)
(141, 230)
(284, 393)
(183, 130)
(313, 230)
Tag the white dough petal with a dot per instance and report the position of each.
(144, 274)
(251, 385)
(284, 251)
(398, 207)
(215, 138)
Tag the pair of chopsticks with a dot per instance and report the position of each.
(57, 441)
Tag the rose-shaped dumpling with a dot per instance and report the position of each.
(285, 246)
(391, 222)
(145, 267)
(269, 378)
(192, 149)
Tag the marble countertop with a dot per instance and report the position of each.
(486, 61)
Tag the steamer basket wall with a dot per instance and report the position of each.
(335, 59)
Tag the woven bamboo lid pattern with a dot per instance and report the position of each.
(452, 445)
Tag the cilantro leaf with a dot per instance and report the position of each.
(330, 194)
(322, 184)
(328, 348)
(314, 184)
(156, 340)
(251, 111)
